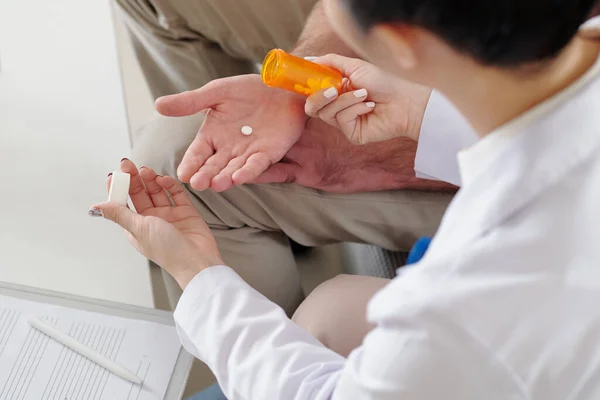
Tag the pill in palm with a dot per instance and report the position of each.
(246, 130)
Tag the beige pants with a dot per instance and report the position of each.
(182, 44)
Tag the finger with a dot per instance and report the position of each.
(256, 164)
(278, 173)
(137, 191)
(157, 193)
(175, 189)
(120, 215)
(215, 164)
(224, 180)
(329, 112)
(347, 66)
(193, 101)
(347, 119)
(318, 100)
(195, 157)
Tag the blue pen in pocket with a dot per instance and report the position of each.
(418, 250)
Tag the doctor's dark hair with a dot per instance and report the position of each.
(504, 33)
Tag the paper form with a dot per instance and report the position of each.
(35, 367)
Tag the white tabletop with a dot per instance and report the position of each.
(62, 129)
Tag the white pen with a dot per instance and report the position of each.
(85, 351)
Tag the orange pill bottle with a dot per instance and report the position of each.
(295, 74)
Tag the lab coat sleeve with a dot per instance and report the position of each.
(253, 349)
(444, 132)
(256, 352)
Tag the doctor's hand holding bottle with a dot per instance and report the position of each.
(372, 106)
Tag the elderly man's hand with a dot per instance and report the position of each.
(172, 234)
(325, 159)
(312, 154)
(221, 157)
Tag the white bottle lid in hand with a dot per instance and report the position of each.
(119, 188)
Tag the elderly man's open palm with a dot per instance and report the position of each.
(221, 156)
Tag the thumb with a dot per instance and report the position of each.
(346, 66)
(120, 215)
(190, 102)
(278, 173)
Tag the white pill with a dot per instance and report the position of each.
(246, 130)
(119, 188)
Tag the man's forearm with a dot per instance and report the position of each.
(389, 165)
(318, 38)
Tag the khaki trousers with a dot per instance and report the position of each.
(183, 44)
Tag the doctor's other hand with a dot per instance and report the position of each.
(173, 235)
(374, 106)
(220, 156)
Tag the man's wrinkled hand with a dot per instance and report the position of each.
(221, 156)
(325, 159)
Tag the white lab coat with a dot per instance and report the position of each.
(445, 132)
(505, 304)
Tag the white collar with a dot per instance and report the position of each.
(472, 160)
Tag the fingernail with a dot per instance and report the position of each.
(370, 104)
(123, 159)
(143, 166)
(95, 212)
(330, 93)
(360, 93)
(310, 58)
(109, 175)
(592, 24)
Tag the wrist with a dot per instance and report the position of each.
(416, 113)
(185, 274)
(292, 99)
(183, 279)
(387, 165)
